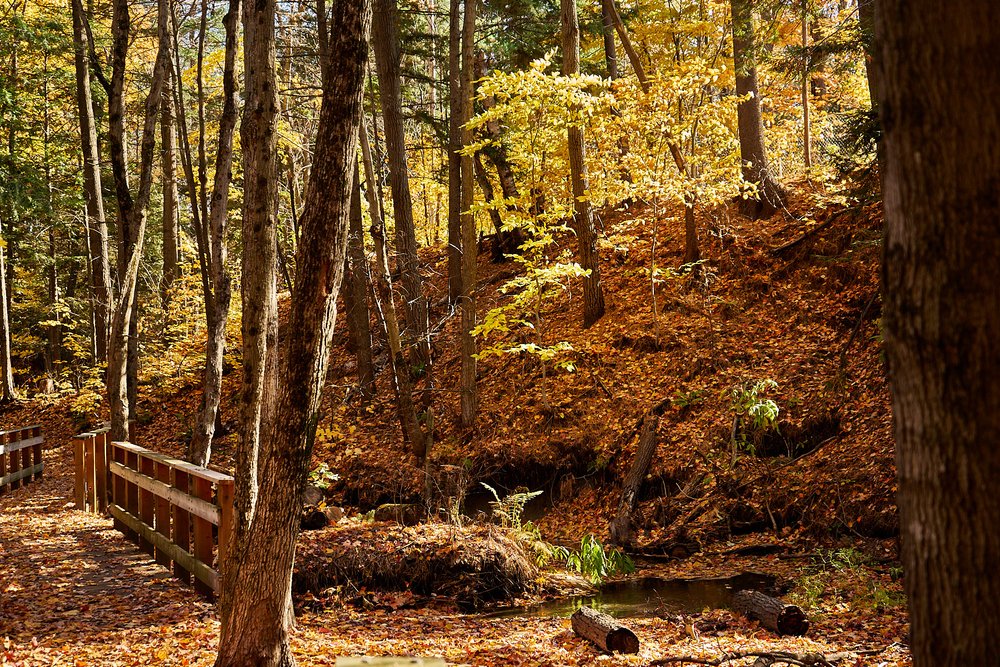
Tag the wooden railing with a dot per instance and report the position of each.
(20, 456)
(172, 509)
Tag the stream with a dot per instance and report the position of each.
(648, 596)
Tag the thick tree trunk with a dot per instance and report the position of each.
(97, 228)
(771, 613)
(454, 159)
(385, 42)
(132, 210)
(258, 136)
(942, 312)
(470, 248)
(256, 612)
(168, 161)
(583, 217)
(751, 126)
(219, 288)
(358, 316)
(384, 302)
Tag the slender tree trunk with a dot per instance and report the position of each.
(258, 136)
(583, 217)
(132, 210)
(454, 146)
(806, 131)
(256, 611)
(97, 228)
(168, 161)
(412, 432)
(469, 246)
(608, 8)
(53, 356)
(942, 312)
(866, 21)
(751, 127)
(608, 31)
(7, 390)
(219, 294)
(489, 196)
(385, 42)
(359, 319)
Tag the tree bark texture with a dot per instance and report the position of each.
(218, 292)
(256, 614)
(608, 32)
(132, 210)
(454, 146)
(753, 153)
(621, 528)
(258, 136)
(583, 216)
(941, 180)
(384, 302)
(7, 390)
(604, 631)
(168, 167)
(771, 613)
(470, 249)
(356, 295)
(97, 227)
(385, 42)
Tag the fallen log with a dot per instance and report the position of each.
(604, 631)
(771, 613)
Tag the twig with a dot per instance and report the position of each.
(786, 657)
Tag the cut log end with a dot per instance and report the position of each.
(604, 631)
(771, 613)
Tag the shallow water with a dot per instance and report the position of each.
(648, 596)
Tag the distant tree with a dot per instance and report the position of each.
(938, 107)
(470, 248)
(751, 126)
(583, 217)
(388, 54)
(132, 207)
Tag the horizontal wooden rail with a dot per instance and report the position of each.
(20, 456)
(171, 508)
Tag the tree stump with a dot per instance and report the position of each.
(604, 631)
(771, 613)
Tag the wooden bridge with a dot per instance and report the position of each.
(180, 514)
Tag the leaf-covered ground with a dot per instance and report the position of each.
(74, 592)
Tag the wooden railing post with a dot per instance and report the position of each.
(163, 513)
(202, 488)
(132, 493)
(89, 473)
(182, 523)
(3, 461)
(118, 485)
(36, 452)
(101, 471)
(225, 491)
(80, 486)
(15, 459)
(146, 509)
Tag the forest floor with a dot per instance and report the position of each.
(810, 502)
